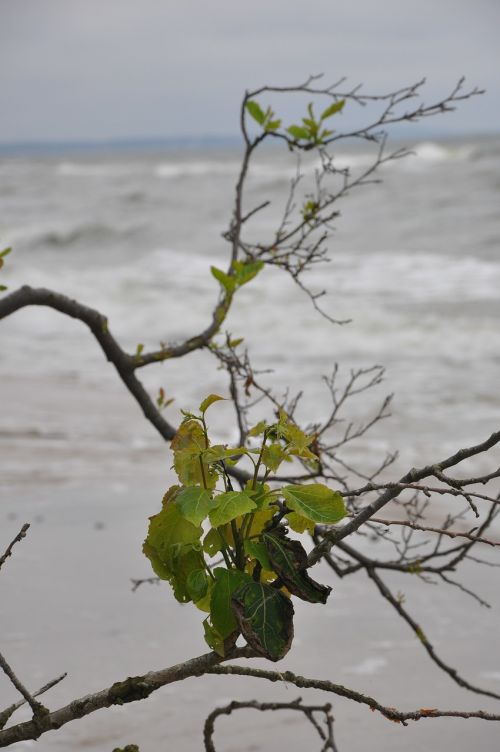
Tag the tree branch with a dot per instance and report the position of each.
(392, 714)
(131, 689)
(21, 534)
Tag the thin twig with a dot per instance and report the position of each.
(21, 534)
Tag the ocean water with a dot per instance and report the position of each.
(415, 263)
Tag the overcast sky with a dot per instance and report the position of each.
(100, 69)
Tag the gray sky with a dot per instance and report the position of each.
(98, 69)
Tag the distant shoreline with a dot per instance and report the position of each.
(185, 143)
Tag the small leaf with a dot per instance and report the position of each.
(258, 494)
(197, 584)
(221, 614)
(189, 436)
(265, 618)
(298, 132)
(194, 503)
(5, 252)
(213, 638)
(212, 543)
(169, 535)
(221, 452)
(273, 125)
(229, 505)
(260, 520)
(209, 401)
(227, 282)
(257, 550)
(255, 111)
(188, 468)
(316, 502)
(272, 456)
(299, 524)
(258, 429)
(235, 342)
(170, 494)
(244, 272)
(289, 560)
(333, 109)
(140, 348)
(3, 288)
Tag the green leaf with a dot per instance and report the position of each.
(170, 494)
(188, 468)
(190, 436)
(5, 252)
(213, 638)
(333, 109)
(184, 566)
(169, 536)
(194, 504)
(298, 132)
(197, 584)
(188, 444)
(3, 288)
(227, 282)
(256, 550)
(244, 272)
(221, 452)
(210, 401)
(230, 505)
(297, 439)
(316, 502)
(258, 494)
(212, 542)
(265, 618)
(272, 456)
(258, 429)
(289, 560)
(273, 125)
(299, 524)
(255, 111)
(221, 614)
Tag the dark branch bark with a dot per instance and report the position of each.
(390, 713)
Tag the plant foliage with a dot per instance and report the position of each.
(229, 551)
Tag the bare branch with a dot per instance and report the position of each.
(8, 712)
(439, 531)
(39, 711)
(129, 690)
(325, 734)
(21, 534)
(412, 476)
(392, 714)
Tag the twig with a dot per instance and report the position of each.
(8, 712)
(39, 710)
(440, 531)
(326, 736)
(392, 714)
(21, 534)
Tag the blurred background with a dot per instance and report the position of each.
(119, 151)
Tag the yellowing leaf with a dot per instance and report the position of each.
(194, 504)
(209, 401)
(229, 505)
(316, 502)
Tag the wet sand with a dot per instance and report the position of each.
(67, 606)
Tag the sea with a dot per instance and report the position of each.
(413, 264)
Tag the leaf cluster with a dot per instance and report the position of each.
(228, 551)
(310, 132)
